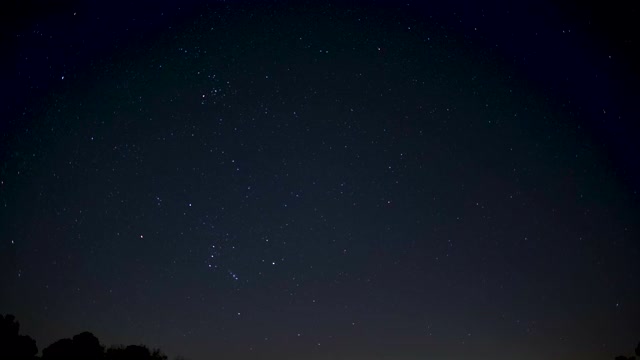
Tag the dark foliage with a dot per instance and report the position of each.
(86, 346)
(621, 357)
(83, 346)
(60, 349)
(134, 352)
(12, 344)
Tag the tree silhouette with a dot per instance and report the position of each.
(12, 344)
(61, 349)
(83, 346)
(87, 346)
(621, 357)
(134, 352)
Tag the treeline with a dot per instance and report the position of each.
(14, 346)
(86, 346)
(621, 357)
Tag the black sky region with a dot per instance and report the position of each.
(323, 180)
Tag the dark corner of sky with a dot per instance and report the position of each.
(581, 56)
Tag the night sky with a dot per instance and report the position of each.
(323, 180)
